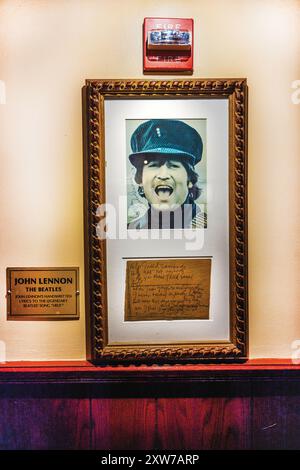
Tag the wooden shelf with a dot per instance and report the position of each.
(85, 372)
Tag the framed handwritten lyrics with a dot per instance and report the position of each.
(165, 220)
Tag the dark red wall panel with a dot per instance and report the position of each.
(268, 427)
(204, 423)
(291, 421)
(44, 423)
(123, 423)
(276, 415)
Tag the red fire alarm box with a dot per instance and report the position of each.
(168, 45)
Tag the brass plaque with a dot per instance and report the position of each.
(174, 289)
(42, 293)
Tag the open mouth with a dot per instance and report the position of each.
(163, 191)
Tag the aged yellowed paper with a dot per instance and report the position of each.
(172, 289)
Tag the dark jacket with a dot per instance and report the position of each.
(186, 216)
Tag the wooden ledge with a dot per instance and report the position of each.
(85, 372)
(251, 364)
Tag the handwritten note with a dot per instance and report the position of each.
(176, 289)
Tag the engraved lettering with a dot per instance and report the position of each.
(25, 280)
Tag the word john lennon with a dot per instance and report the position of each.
(32, 281)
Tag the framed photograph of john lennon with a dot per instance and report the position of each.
(165, 220)
(166, 173)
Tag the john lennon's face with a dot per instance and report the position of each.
(165, 183)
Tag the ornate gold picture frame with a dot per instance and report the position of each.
(151, 299)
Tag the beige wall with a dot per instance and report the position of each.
(47, 49)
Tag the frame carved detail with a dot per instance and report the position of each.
(94, 94)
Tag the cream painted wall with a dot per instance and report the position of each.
(47, 49)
